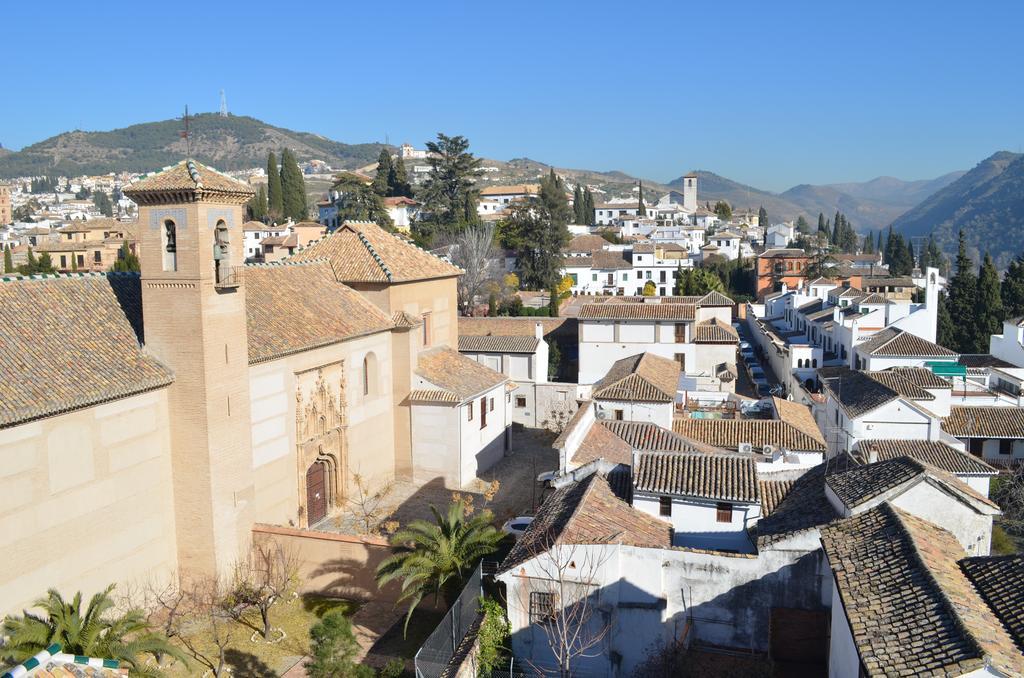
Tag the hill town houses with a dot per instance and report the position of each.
(841, 520)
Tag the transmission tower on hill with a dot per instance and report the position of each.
(223, 105)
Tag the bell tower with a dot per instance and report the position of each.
(193, 295)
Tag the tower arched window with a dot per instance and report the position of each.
(221, 250)
(169, 240)
(370, 374)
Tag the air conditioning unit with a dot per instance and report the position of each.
(768, 450)
(746, 448)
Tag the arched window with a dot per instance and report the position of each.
(369, 374)
(169, 240)
(221, 250)
(814, 362)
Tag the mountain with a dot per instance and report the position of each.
(870, 205)
(227, 143)
(987, 203)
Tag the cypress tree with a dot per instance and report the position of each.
(382, 182)
(1012, 291)
(821, 222)
(869, 244)
(8, 260)
(945, 332)
(275, 202)
(910, 254)
(963, 296)
(762, 218)
(399, 181)
(257, 205)
(589, 217)
(989, 309)
(878, 247)
(293, 187)
(577, 205)
(935, 256)
(641, 210)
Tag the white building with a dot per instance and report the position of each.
(625, 270)
(504, 196)
(1009, 345)
(253, 232)
(402, 211)
(726, 244)
(696, 333)
(779, 235)
(641, 388)
(451, 392)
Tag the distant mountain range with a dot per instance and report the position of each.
(987, 203)
(227, 143)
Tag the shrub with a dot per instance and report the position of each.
(334, 648)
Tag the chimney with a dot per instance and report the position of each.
(872, 454)
(538, 330)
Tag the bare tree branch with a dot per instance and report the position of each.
(472, 249)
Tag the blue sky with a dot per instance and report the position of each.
(769, 93)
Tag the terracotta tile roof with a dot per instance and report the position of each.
(521, 326)
(257, 226)
(295, 307)
(586, 243)
(714, 331)
(772, 494)
(404, 319)
(900, 384)
(85, 349)
(643, 378)
(798, 415)
(643, 248)
(823, 314)
(710, 476)
(860, 484)
(498, 344)
(897, 343)
(874, 298)
(855, 391)
(287, 240)
(911, 610)
(923, 377)
(730, 433)
(646, 436)
(931, 452)
(804, 507)
(574, 423)
(980, 360)
(514, 189)
(361, 251)
(999, 580)
(588, 512)
(601, 443)
(972, 421)
(425, 395)
(450, 371)
(604, 259)
(637, 311)
(186, 181)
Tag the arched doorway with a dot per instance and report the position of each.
(316, 492)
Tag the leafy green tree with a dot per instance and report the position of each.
(869, 244)
(382, 182)
(641, 209)
(275, 199)
(126, 260)
(723, 210)
(963, 297)
(42, 265)
(449, 194)
(578, 206)
(8, 260)
(589, 209)
(258, 207)
(554, 359)
(649, 289)
(96, 631)
(293, 187)
(762, 218)
(537, 231)
(399, 181)
(359, 202)
(493, 636)
(802, 226)
(334, 649)
(945, 332)
(1012, 291)
(698, 282)
(434, 558)
(989, 309)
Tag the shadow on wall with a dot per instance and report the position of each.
(780, 614)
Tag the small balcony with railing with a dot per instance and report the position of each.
(228, 277)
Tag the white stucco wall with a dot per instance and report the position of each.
(656, 413)
(843, 658)
(696, 525)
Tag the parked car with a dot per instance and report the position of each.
(745, 345)
(517, 526)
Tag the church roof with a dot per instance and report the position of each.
(362, 251)
(72, 342)
(456, 374)
(187, 181)
(294, 307)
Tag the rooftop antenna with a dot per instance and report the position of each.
(187, 135)
(223, 105)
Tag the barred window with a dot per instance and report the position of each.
(542, 606)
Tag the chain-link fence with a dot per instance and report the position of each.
(437, 651)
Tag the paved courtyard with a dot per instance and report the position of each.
(517, 492)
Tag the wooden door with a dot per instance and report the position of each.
(316, 492)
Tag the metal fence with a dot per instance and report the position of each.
(437, 651)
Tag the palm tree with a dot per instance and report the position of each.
(435, 558)
(126, 638)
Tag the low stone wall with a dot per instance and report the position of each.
(336, 565)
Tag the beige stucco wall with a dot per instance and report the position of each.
(370, 442)
(437, 297)
(86, 500)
